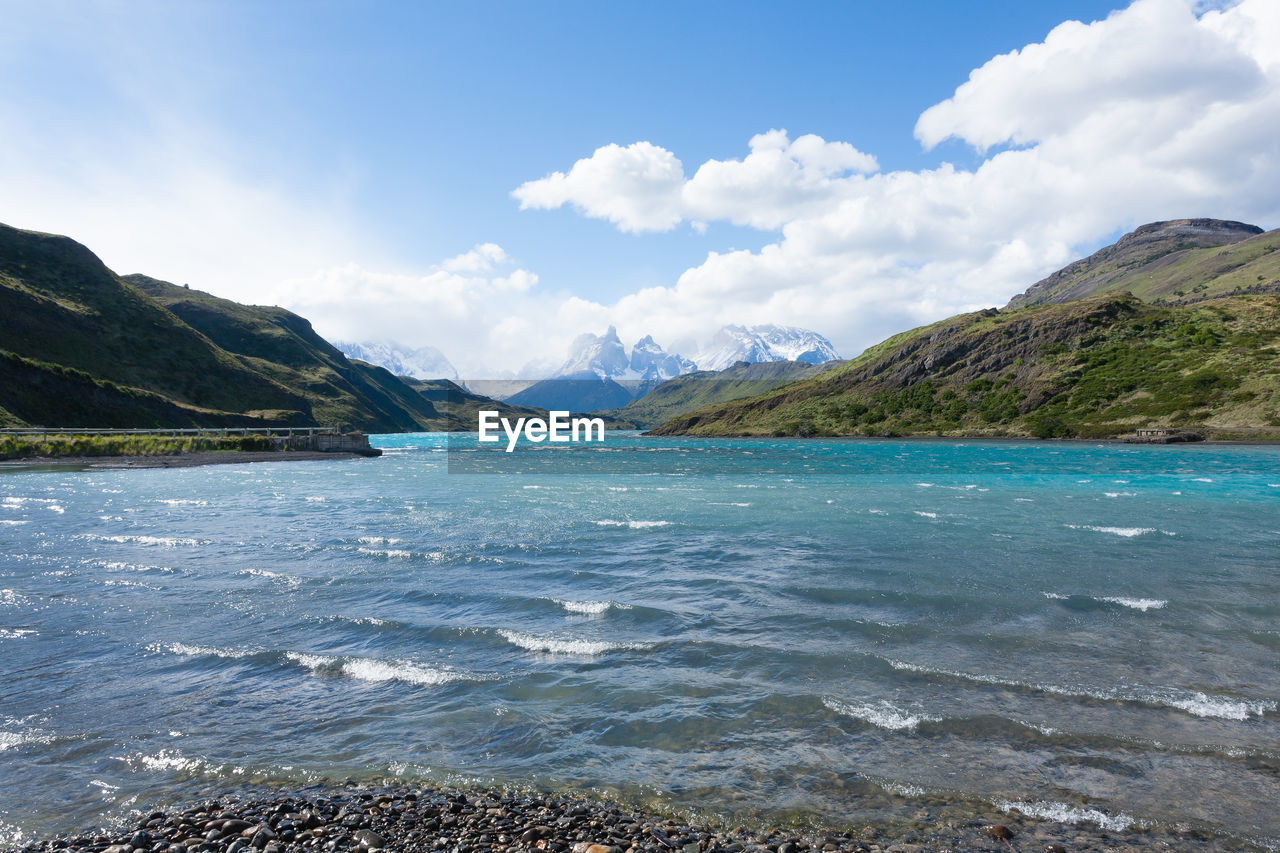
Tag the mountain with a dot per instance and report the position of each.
(420, 363)
(755, 344)
(599, 374)
(651, 362)
(81, 346)
(1092, 368)
(692, 391)
(1169, 261)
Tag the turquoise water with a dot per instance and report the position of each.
(1090, 633)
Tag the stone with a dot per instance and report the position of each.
(369, 840)
(999, 832)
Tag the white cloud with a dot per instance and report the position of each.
(1152, 113)
(636, 188)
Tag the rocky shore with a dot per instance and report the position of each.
(357, 819)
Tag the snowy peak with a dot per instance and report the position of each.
(755, 344)
(420, 363)
(602, 355)
(650, 361)
(606, 357)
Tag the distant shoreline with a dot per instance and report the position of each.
(184, 460)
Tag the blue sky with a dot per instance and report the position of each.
(314, 154)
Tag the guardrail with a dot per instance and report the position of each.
(209, 432)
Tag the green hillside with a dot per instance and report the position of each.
(81, 346)
(1176, 261)
(692, 391)
(1097, 367)
(282, 346)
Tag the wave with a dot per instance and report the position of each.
(590, 608)
(375, 670)
(1120, 494)
(291, 580)
(9, 598)
(1127, 532)
(634, 525)
(15, 633)
(191, 651)
(12, 522)
(1194, 702)
(564, 646)
(182, 502)
(379, 540)
(165, 541)
(1066, 813)
(925, 514)
(884, 715)
(389, 553)
(1143, 604)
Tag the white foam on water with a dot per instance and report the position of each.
(1120, 494)
(12, 522)
(902, 789)
(163, 541)
(878, 511)
(375, 670)
(590, 608)
(107, 787)
(1202, 479)
(56, 508)
(10, 834)
(389, 553)
(633, 525)
(379, 540)
(1066, 813)
(1194, 702)
(925, 514)
(619, 488)
(182, 502)
(290, 580)
(1126, 532)
(566, 646)
(191, 651)
(1143, 604)
(138, 584)
(1056, 596)
(1023, 500)
(884, 715)
(925, 485)
(315, 499)
(15, 633)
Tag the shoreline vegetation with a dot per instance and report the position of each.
(153, 450)
(368, 819)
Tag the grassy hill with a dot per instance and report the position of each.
(1097, 367)
(692, 391)
(1175, 261)
(81, 346)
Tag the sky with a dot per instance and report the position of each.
(496, 178)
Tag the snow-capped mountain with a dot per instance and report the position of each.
(420, 363)
(756, 344)
(650, 361)
(606, 357)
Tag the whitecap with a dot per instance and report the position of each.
(1202, 479)
(315, 499)
(164, 541)
(13, 740)
(389, 553)
(192, 651)
(884, 715)
(1127, 532)
(15, 633)
(566, 646)
(1120, 494)
(12, 522)
(925, 514)
(270, 575)
(1065, 813)
(56, 508)
(1143, 604)
(1193, 702)
(590, 608)
(1055, 596)
(634, 525)
(375, 670)
(379, 540)
(182, 502)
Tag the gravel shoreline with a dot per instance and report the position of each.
(360, 819)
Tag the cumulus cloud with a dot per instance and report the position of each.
(1156, 112)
